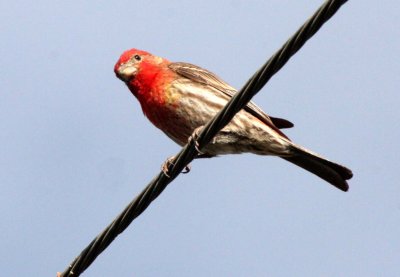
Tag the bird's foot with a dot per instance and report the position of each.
(194, 138)
(169, 162)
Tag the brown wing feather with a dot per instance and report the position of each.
(203, 76)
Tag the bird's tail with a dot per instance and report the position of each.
(331, 172)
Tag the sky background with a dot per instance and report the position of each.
(75, 147)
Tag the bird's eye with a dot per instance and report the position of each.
(137, 57)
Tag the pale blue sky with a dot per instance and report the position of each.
(76, 148)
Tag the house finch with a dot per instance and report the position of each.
(179, 98)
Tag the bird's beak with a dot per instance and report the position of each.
(126, 72)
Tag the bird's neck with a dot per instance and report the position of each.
(150, 88)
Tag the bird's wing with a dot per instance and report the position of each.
(203, 76)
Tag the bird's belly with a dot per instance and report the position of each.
(186, 111)
(186, 108)
(247, 134)
(243, 134)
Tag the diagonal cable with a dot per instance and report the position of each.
(188, 152)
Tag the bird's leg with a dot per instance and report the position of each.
(168, 162)
(200, 154)
(194, 137)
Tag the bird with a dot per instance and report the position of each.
(180, 98)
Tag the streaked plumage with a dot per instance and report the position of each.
(179, 97)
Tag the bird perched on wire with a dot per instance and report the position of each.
(179, 98)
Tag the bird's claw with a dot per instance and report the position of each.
(187, 169)
(169, 162)
(194, 137)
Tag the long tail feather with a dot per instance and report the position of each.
(331, 172)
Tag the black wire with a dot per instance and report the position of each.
(188, 152)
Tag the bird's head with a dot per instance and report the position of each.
(132, 62)
(128, 65)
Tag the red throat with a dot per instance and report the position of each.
(150, 87)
